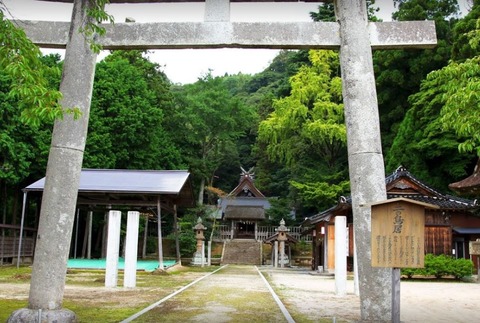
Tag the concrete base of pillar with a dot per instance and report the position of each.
(197, 259)
(25, 315)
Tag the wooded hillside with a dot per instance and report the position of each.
(286, 121)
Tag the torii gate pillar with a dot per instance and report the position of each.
(365, 158)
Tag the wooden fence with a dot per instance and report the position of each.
(224, 232)
(9, 247)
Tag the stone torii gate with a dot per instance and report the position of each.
(352, 34)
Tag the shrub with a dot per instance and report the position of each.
(440, 266)
(461, 268)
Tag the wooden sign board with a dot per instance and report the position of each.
(398, 233)
(474, 248)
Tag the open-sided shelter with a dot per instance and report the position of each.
(104, 189)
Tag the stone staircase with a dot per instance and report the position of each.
(242, 252)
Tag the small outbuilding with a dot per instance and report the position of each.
(448, 229)
(100, 190)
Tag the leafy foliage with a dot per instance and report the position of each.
(400, 72)
(208, 120)
(461, 97)
(20, 60)
(125, 131)
(306, 128)
(97, 14)
(422, 144)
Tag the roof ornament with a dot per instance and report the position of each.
(248, 173)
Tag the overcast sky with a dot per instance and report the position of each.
(186, 65)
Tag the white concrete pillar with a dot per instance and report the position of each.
(89, 239)
(203, 253)
(275, 250)
(341, 255)
(131, 250)
(113, 246)
(356, 286)
(209, 253)
(282, 254)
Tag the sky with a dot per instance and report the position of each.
(187, 65)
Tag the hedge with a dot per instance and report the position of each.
(440, 266)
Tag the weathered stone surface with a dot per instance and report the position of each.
(365, 159)
(63, 174)
(26, 315)
(178, 35)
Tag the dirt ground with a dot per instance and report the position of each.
(312, 297)
(420, 301)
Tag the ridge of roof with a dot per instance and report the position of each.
(249, 181)
(401, 171)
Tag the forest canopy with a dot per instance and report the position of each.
(286, 121)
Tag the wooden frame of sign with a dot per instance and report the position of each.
(398, 233)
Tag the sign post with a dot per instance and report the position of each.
(398, 240)
(474, 250)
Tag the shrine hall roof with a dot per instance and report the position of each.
(244, 212)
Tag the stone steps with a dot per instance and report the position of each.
(242, 252)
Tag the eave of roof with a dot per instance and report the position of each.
(443, 201)
(126, 181)
(236, 212)
(129, 187)
(469, 185)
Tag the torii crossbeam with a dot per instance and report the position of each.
(352, 34)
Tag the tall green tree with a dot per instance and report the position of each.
(23, 146)
(208, 120)
(400, 72)
(444, 115)
(126, 128)
(20, 60)
(461, 83)
(306, 131)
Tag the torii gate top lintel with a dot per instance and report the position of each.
(182, 1)
(217, 31)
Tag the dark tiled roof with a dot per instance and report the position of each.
(444, 202)
(423, 194)
(469, 185)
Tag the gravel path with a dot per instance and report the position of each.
(233, 294)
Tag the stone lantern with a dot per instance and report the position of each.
(199, 255)
(281, 238)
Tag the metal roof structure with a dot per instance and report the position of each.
(130, 187)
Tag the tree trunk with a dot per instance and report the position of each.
(201, 192)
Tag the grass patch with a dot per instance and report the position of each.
(12, 274)
(86, 296)
(8, 306)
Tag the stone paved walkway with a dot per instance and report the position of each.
(233, 294)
